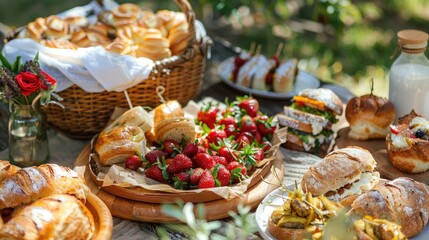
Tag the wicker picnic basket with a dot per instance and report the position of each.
(86, 114)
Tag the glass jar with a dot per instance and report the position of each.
(409, 75)
(28, 139)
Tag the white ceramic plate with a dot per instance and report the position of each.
(303, 80)
(276, 198)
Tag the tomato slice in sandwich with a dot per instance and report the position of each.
(300, 101)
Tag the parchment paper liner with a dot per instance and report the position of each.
(121, 177)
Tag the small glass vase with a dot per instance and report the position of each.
(28, 138)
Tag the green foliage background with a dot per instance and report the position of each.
(342, 41)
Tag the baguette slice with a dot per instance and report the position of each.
(136, 116)
(53, 217)
(176, 129)
(32, 183)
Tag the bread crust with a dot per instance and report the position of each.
(32, 183)
(53, 217)
(120, 143)
(294, 123)
(176, 129)
(338, 169)
(374, 113)
(412, 159)
(285, 233)
(7, 169)
(168, 110)
(327, 96)
(403, 201)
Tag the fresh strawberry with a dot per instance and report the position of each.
(133, 162)
(215, 136)
(394, 129)
(248, 125)
(195, 176)
(229, 120)
(269, 79)
(222, 176)
(208, 115)
(258, 137)
(276, 60)
(179, 163)
(265, 125)
(227, 153)
(266, 146)
(238, 61)
(181, 180)
(243, 140)
(259, 155)
(231, 130)
(204, 160)
(236, 165)
(170, 147)
(251, 106)
(168, 161)
(190, 150)
(228, 112)
(221, 160)
(202, 149)
(206, 180)
(155, 173)
(154, 155)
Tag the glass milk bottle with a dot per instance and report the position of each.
(409, 75)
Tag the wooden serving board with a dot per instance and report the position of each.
(151, 212)
(378, 150)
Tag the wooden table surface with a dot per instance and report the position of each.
(64, 150)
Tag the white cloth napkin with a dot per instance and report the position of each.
(93, 69)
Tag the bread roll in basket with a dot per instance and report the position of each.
(87, 113)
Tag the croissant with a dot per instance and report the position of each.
(403, 201)
(32, 183)
(54, 217)
(7, 170)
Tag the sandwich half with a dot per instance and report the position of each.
(309, 120)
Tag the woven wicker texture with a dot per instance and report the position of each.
(86, 114)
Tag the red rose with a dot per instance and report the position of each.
(28, 82)
(49, 79)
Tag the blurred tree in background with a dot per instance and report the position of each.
(341, 41)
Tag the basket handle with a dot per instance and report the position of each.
(164, 66)
(186, 8)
